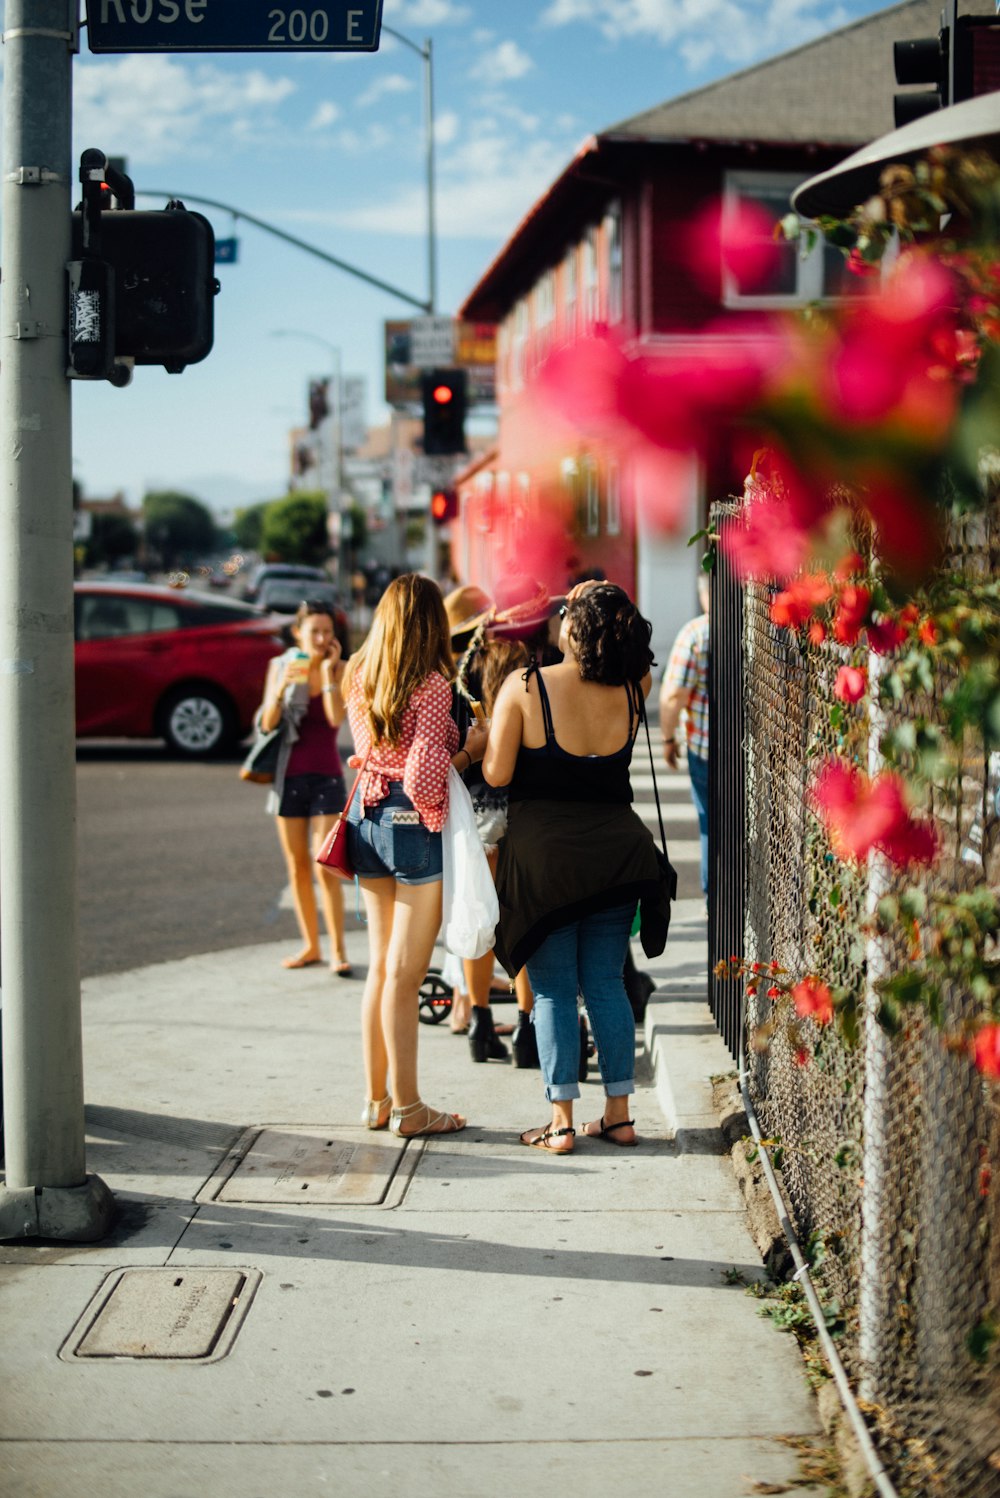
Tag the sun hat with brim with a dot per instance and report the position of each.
(522, 607)
(467, 608)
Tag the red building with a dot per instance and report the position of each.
(607, 244)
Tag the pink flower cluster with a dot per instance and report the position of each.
(861, 814)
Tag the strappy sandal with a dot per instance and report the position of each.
(377, 1113)
(539, 1139)
(606, 1130)
(435, 1122)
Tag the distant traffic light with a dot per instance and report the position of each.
(923, 60)
(444, 506)
(961, 62)
(444, 400)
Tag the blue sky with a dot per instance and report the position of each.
(331, 148)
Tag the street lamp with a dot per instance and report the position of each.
(426, 53)
(335, 490)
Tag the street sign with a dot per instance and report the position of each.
(432, 342)
(233, 26)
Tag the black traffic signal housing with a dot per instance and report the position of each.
(443, 506)
(444, 402)
(141, 284)
(925, 59)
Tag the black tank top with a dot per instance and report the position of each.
(551, 773)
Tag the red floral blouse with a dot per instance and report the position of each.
(422, 757)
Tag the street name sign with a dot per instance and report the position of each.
(233, 26)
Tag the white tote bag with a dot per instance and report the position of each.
(469, 909)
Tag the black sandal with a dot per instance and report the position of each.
(541, 1140)
(605, 1131)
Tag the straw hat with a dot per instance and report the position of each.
(522, 607)
(467, 607)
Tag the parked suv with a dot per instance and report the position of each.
(267, 570)
(155, 662)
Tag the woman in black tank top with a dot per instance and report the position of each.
(576, 859)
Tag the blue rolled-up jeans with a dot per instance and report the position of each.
(584, 957)
(698, 771)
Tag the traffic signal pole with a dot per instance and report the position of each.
(48, 1193)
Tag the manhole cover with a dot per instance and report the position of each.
(190, 1315)
(314, 1166)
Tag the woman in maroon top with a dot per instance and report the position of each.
(304, 688)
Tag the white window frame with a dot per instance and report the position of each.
(615, 260)
(590, 276)
(591, 498)
(809, 267)
(613, 501)
(545, 312)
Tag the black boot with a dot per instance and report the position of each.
(524, 1042)
(484, 1042)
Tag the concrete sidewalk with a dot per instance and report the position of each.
(460, 1318)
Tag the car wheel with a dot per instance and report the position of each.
(197, 721)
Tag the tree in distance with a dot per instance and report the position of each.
(178, 528)
(294, 529)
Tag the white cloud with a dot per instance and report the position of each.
(735, 32)
(446, 127)
(325, 114)
(392, 83)
(149, 107)
(502, 64)
(484, 192)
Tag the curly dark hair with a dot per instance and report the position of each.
(610, 637)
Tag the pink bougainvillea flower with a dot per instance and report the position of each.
(859, 266)
(928, 632)
(816, 633)
(802, 1055)
(773, 992)
(850, 565)
(986, 1051)
(771, 545)
(852, 611)
(738, 237)
(851, 684)
(861, 814)
(813, 999)
(886, 636)
(795, 604)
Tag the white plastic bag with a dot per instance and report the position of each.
(469, 908)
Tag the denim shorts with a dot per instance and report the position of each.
(390, 842)
(312, 796)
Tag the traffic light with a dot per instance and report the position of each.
(444, 398)
(444, 506)
(961, 62)
(923, 60)
(141, 284)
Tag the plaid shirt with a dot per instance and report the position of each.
(688, 671)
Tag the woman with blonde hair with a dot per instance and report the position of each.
(398, 695)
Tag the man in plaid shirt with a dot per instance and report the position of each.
(684, 705)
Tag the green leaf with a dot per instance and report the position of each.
(981, 1339)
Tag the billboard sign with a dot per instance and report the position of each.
(470, 346)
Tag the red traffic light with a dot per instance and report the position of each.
(443, 506)
(442, 394)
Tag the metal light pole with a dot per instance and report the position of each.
(335, 498)
(48, 1192)
(426, 53)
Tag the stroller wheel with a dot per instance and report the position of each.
(435, 998)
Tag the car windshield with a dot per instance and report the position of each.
(285, 594)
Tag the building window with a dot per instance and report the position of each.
(569, 294)
(518, 345)
(613, 508)
(591, 284)
(789, 277)
(545, 313)
(592, 498)
(613, 241)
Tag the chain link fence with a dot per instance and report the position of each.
(889, 1150)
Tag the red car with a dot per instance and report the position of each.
(155, 662)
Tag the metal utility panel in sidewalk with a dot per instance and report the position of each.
(309, 1167)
